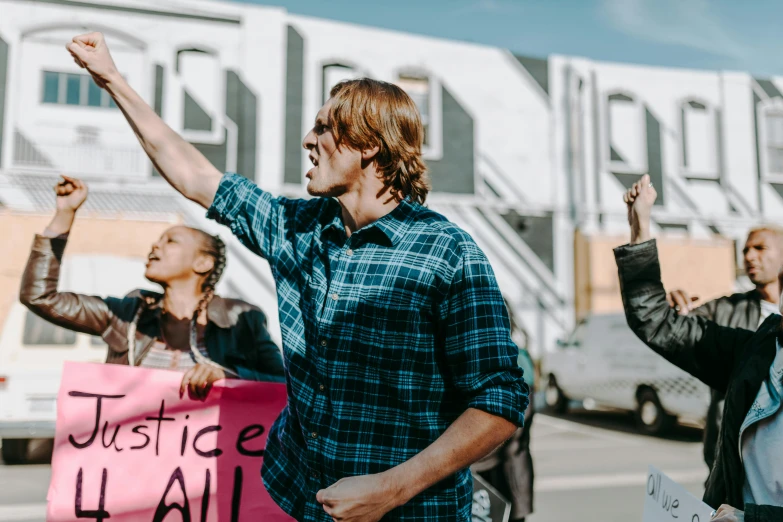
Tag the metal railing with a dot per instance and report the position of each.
(78, 159)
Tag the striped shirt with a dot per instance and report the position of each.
(389, 335)
(160, 358)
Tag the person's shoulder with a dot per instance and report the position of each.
(234, 310)
(239, 305)
(142, 294)
(125, 307)
(247, 189)
(308, 211)
(429, 222)
(738, 297)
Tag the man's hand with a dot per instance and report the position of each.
(639, 199)
(199, 380)
(90, 52)
(727, 513)
(360, 499)
(681, 301)
(178, 161)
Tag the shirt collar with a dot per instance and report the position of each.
(394, 224)
(391, 227)
(336, 221)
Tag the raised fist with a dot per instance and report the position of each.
(639, 200)
(71, 193)
(90, 52)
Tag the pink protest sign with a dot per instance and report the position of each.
(127, 447)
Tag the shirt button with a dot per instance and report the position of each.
(321, 387)
(323, 342)
(349, 252)
(314, 474)
(335, 296)
(314, 435)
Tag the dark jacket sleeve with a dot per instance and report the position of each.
(707, 310)
(269, 362)
(756, 513)
(38, 292)
(698, 346)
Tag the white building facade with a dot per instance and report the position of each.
(522, 151)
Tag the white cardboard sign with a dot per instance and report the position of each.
(667, 501)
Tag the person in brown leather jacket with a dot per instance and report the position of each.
(186, 328)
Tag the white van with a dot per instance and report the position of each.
(604, 365)
(33, 351)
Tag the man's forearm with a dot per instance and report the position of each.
(472, 436)
(640, 233)
(179, 162)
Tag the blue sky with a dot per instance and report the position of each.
(704, 34)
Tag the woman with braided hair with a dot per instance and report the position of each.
(187, 328)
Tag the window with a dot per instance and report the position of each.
(94, 95)
(773, 125)
(418, 88)
(203, 97)
(39, 332)
(626, 132)
(74, 89)
(698, 139)
(51, 87)
(335, 73)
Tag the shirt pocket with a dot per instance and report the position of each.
(396, 331)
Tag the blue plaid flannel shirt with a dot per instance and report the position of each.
(389, 335)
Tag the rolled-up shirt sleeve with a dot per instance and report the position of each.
(252, 214)
(480, 353)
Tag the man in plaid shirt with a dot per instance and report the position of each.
(401, 370)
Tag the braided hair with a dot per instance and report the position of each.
(214, 247)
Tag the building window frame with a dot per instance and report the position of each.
(775, 106)
(433, 148)
(85, 84)
(713, 173)
(639, 167)
(216, 135)
(355, 73)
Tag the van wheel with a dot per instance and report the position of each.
(555, 399)
(651, 418)
(15, 451)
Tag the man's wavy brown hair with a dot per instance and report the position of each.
(366, 113)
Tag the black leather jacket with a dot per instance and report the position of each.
(741, 310)
(730, 360)
(236, 336)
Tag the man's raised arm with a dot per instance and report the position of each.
(183, 166)
(702, 348)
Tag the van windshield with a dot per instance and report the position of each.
(39, 332)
